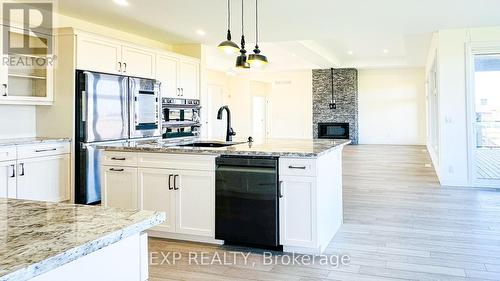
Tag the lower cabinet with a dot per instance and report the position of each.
(119, 187)
(8, 179)
(297, 208)
(43, 178)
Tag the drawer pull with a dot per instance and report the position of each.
(45, 150)
(116, 170)
(297, 167)
(119, 158)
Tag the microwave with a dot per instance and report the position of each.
(180, 117)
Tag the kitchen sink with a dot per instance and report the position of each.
(210, 144)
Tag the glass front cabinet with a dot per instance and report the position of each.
(26, 72)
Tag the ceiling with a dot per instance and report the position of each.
(309, 33)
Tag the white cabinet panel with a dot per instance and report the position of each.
(8, 179)
(43, 178)
(157, 194)
(195, 192)
(3, 68)
(137, 62)
(166, 73)
(98, 55)
(189, 79)
(119, 187)
(297, 207)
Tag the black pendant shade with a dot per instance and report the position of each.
(228, 46)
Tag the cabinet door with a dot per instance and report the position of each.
(297, 212)
(119, 187)
(157, 194)
(98, 55)
(44, 178)
(195, 203)
(166, 73)
(8, 179)
(189, 79)
(137, 62)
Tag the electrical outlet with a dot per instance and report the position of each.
(333, 106)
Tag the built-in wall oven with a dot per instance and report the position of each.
(144, 107)
(181, 117)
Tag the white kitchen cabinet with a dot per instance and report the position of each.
(8, 179)
(138, 62)
(297, 211)
(157, 193)
(179, 76)
(189, 79)
(98, 54)
(195, 202)
(119, 187)
(166, 73)
(43, 178)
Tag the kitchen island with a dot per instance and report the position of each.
(180, 179)
(55, 242)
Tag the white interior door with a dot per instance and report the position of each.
(215, 101)
(259, 117)
(486, 120)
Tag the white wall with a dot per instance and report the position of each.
(392, 106)
(290, 102)
(450, 47)
(17, 121)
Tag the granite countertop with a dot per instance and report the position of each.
(34, 140)
(268, 147)
(36, 237)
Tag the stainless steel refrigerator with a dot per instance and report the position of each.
(110, 108)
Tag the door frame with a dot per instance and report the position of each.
(266, 109)
(209, 126)
(472, 49)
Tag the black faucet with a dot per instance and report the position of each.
(229, 131)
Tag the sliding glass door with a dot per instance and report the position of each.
(486, 120)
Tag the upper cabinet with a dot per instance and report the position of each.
(179, 76)
(138, 62)
(26, 74)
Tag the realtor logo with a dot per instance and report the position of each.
(27, 28)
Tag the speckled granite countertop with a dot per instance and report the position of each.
(36, 237)
(268, 147)
(21, 141)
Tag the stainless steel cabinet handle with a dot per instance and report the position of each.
(119, 158)
(280, 189)
(116, 170)
(119, 67)
(182, 92)
(4, 90)
(169, 182)
(22, 169)
(297, 167)
(124, 67)
(175, 182)
(178, 92)
(13, 175)
(45, 150)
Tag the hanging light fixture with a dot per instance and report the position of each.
(256, 59)
(241, 60)
(228, 46)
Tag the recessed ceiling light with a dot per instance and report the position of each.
(350, 53)
(200, 32)
(294, 55)
(123, 3)
(385, 51)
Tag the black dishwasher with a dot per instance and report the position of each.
(247, 201)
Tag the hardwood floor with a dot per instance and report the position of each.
(398, 225)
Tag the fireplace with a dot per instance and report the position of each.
(333, 130)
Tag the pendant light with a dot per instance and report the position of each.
(241, 60)
(228, 46)
(256, 59)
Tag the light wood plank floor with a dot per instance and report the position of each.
(399, 225)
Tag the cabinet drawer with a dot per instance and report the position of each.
(8, 153)
(40, 150)
(177, 161)
(116, 158)
(297, 167)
